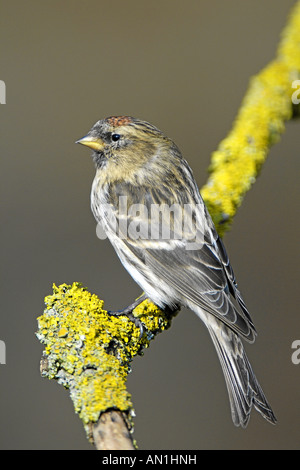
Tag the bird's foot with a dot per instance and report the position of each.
(128, 313)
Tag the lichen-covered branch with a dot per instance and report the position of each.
(259, 124)
(89, 351)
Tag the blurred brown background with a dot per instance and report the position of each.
(185, 67)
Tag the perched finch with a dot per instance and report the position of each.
(146, 198)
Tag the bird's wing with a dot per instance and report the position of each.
(201, 280)
(193, 263)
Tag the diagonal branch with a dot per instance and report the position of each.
(259, 124)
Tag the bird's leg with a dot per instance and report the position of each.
(128, 312)
(130, 307)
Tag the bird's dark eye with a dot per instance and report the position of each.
(115, 137)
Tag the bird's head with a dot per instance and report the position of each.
(125, 145)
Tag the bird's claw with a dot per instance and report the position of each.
(137, 322)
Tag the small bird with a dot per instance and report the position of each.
(146, 198)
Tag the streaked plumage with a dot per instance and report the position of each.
(136, 160)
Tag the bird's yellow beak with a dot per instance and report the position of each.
(95, 144)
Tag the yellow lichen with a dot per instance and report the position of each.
(259, 124)
(89, 351)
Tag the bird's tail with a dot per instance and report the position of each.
(243, 388)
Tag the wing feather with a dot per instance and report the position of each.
(202, 277)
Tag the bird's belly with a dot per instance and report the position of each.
(157, 290)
